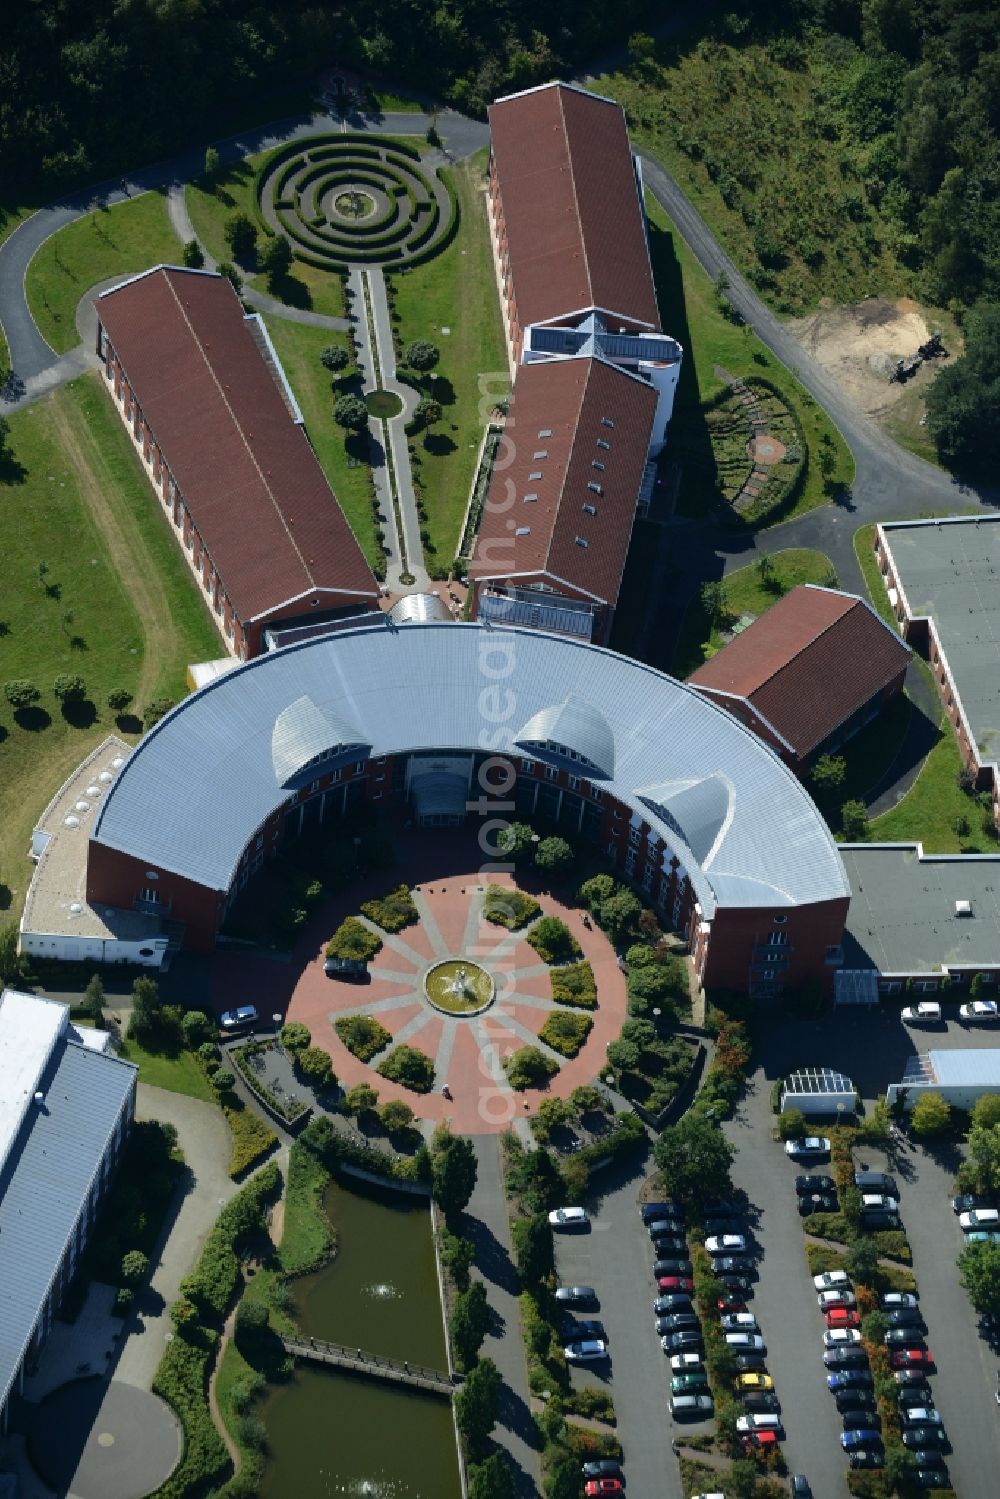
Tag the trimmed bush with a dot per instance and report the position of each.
(295, 1036)
(553, 941)
(252, 1139)
(565, 1032)
(362, 1035)
(529, 1068)
(411, 1068)
(315, 1066)
(392, 912)
(575, 985)
(352, 939)
(509, 908)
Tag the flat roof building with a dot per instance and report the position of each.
(808, 673)
(960, 1077)
(66, 1105)
(215, 425)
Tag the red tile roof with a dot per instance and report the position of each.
(247, 474)
(575, 225)
(808, 663)
(567, 401)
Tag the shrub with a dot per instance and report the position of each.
(350, 412)
(457, 1255)
(392, 912)
(213, 1282)
(362, 1035)
(553, 941)
(359, 1099)
(930, 1116)
(352, 939)
(792, 1124)
(252, 1139)
(575, 985)
(223, 1080)
(334, 358)
(420, 354)
(295, 1036)
(119, 700)
(409, 1067)
(69, 688)
(660, 986)
(565, 1032)
(124, 1297)
(529, 1068)
(157, 709)
(469, 1324)
(595, 891)
(509, 908)
(554, 856)
(21, 693)
(197, 1029)
(181, 1380)
(395, 1116)
(135, 1265)
(193, 255)
(315, 1066)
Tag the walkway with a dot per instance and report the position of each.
(396, 1371)
(485, 1223)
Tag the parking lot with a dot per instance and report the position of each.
(615, 1258)
(872, 1048)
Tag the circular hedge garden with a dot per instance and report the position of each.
(355, 200)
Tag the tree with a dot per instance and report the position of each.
(828, 774)
(660, 986)
(792, 1124)
(359, 1099)
(197, 1029)
(251, 1320)
(275, 259)
(241, 236)
(930, 1116)
(964, 399)
(420, 354)
(193, 255)
(492, 1479)
(69, 689)
(470, 1321)
(427, 412)
(986, 1111)
(641, 51)
(619, 915)
(396, 1116)
(623, 1055)
(861, 1261)
(979, 1272)
(295, 1036)
(554, 857)
(146, 1007)
(223, 1081)
(93, 1000)
(457, 1255)
(900, 1466)
(119, 700)
(984, 1157)
(134, 1267)
(854, 821)
(517, 842)
(211, 161)
(764, 568)
(595, 891)
(155, 710)
(533, 1249)
(476, 1406)
(453, 1171)
(694, 1158)
(713, 603)
(21, 693)
(350, 412)
(334, 358)
(232, 275)
(563, 1478)
(315, 1066)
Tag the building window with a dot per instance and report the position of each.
(573, 782)
(779, 920)
(595, 463)
(528, 767)
(589, 509)
(835, 954)
(635, 836)
(581, 541)
(894, 987)
(596, 793)
(359, 768)
(778, 939)
(647, 877)
(604, 444)
(551, 773)
(630, 861)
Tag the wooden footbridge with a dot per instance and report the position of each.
(374, 1365)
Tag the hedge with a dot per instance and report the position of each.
(575, 985)
(411, 1068)
(353, 939)
(252, 1139)
(214, 1280)
(565, 1032)
(363, 1036)
(553, 941)
(509, 908)
(392, 912)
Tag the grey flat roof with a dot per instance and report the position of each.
(45, 1182)
(966, 1067)
(202, 781)
(902, 917)
(950, 572)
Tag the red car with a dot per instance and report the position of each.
(730, 1304)
(759, 1439)
(675, 1283)
(911, 1358)
(843, 1316)
(598, 1486)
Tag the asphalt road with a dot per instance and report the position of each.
(615, 1257)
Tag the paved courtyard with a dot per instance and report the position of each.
(468, 1052)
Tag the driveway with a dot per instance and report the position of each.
(616, 1258)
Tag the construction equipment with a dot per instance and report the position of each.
(932, 349)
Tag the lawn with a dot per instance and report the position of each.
(212, 201)
(73, 497)
(299, 348)
(691, 312)
(746, 593)
(180, 1072)
(455, 290)
(110, 242)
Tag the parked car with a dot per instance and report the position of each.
(911, 1358)
(741, 1283)
(679, 1267)
(661, 1228)
(679, 1322)
(844, 1357)
(574, 1328)
(756, 1381)
(932, 1458)
(238, 1019)
(681, 1362)
(878, 1202)
(681, 1342)
(765, 1422)
(891, 1299)
(866, 1420)
(928, 1012)
(800, 1487)
(667, 1249)
(929, 1478)
(875, 1181)
(727, 1264)
(724, 1207)
(739, 1322)
(595, 1488)
(911, 1396)
(966, 1201)
(353, 970)
(588, 1350)
(816, 1203)
(982, 1236)
(602, 1467)
(767, 1441)
(980, 1011)
(578, 1295)
(978, 1218)
(849, 1379)
(906, 1316)
(806, 1184)
(651, 1211)
(865, 1436)
(668, 1283)
(808, 1148)
(874, 1220)
(751, 1363)
(922, 1415)
(832, 1280)
(843, 1316)
(664, 1306)
(838, 1337)
(698, 1407)
(730, 1302)
(866, 1457)
(906, 1378)
(569, 1218)
(926, 1438)
(696, 1380)
(904, 1337)
(855, 1400)
(726, 1244)
(760, 1400)
(745, 1342)
(839, 1296)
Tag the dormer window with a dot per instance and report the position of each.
(523, 531)
(541, 453)
(581, 541)
(594, 463)
(606, 421)
(594, 487)
(545, 432)
(605, 445)
(529, 498)
(536, 475)
(589, 509)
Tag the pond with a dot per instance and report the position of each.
(326, 1429)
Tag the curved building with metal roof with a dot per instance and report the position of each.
(687, 800)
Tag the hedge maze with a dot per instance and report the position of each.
(345, 200)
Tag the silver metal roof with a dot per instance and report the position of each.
(201, 782)
(46, 1180)
(415, 608)
(576, 725)
(302, 731)
(699, 809)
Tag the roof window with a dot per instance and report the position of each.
(581, 541)
(545, 432)
(606, 421)
(601, 443)
(529, 498)
(590, 509)
(523, 531)
(595, 463)
(536, 475)
(541, 453)
(594, 487)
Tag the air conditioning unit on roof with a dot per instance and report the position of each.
(963, 908)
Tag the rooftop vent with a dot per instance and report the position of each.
(81, 806)
(545, 432)
(602, 443)
(71, 821)
(523, 531)
(105, 776)
(118, 762)
(93, 790)
(606, 421)
(75, 907)
(589, 509)
(581, 541)
(963, 908)
(39, 1097)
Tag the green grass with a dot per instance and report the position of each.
(74, 497)
(180, 1073)
(864, 548)
(131, 236)
(691, 312)
(299, 348)
(745, 594)
(308, 1237)
(212, 201)
(455, 290)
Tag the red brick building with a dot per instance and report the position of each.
(808, 673)
(234, 472)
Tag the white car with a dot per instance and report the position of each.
(926, 1013)
(234, 1020)
(980, 1009)
(838, 1297)
(877, 1202)
(745, 1342)
(921, 1415)
(683, 1363)
(586, 1350)
(568, 1218)
(811, 1145)
(893, 1300)
(739, 1322)
(979, 1218)
(766, 1422)
(726, 1244)
(831, 1278)
(841, 1337)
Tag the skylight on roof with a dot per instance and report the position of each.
(581, 541)
(545, 432)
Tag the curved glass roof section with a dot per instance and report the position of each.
(574, 729)
(304, 734)
(203, 780)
